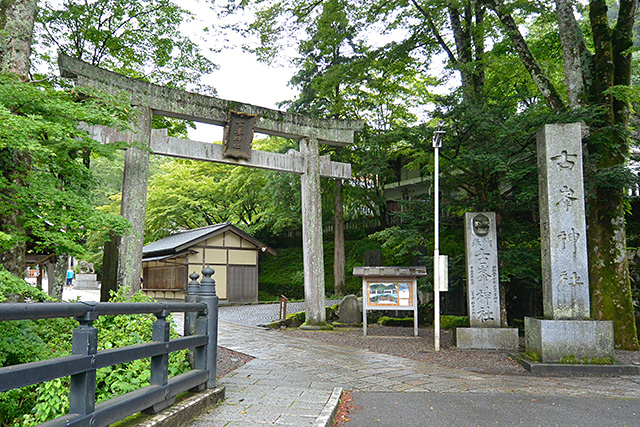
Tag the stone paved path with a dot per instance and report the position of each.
(257, 314)
(292, 378)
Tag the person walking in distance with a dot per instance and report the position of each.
(69, 277)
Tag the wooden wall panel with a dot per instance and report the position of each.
(171, 277)
(242, 283)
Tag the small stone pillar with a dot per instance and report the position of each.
(483, 287)
(564, 332)
(191, 295)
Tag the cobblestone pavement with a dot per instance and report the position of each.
(292, 378)
(259, 314)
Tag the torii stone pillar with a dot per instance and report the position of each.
(312, 250)
(134, 201)
(153, 99)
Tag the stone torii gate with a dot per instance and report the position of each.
(150, 99)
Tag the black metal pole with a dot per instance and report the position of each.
(82, 392)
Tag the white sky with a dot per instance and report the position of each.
(240, 76)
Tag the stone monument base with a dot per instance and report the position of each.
(487, 338)
(86, 281)
(551, 340)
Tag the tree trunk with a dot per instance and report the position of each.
(39, 277)
(60, 277)
(51, 274)
(109, 278)
(339, 285)
(17, 19)
(608, 147)
(609, 281)
(541, 80)
(578, 63)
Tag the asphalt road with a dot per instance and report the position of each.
(481, 409)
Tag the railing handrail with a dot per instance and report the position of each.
(48, 310)
(81, 365)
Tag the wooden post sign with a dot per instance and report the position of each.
(238, 135)
(390, 288)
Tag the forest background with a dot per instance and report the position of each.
(509, 68)
(493, 71)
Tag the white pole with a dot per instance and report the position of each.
(437, 142)
(436, 254)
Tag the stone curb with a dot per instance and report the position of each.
(541, 368)
(325, 418)
(184, 412)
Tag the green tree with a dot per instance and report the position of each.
(141, 39)
(597, 78)
(190, 194)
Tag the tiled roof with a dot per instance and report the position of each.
(172, 243)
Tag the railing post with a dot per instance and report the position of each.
(200, 353)
(207, 295)
(82, 392)
(191, 296)
(160, 363)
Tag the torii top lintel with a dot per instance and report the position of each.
(170, 102)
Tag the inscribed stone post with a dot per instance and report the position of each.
(564, 332)
(565, 274)
(483, 293)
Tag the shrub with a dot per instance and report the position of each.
(395, 321)
(452, 322)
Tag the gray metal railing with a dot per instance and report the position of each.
(84, 360)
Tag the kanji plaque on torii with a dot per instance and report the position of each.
(238, 135)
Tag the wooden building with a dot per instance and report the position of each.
(231, 252)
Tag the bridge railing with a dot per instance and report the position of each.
(85, 358)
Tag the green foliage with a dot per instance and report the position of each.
(53, 401)
(17, 288)
(187, 194)
(532, 355)
(283, 274)
(43, 162)
(267, 297)
(295, 320)
(140, 39)
(452, 322)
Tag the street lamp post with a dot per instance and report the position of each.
(437, 143)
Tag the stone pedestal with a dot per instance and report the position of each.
(487, 338)
(86, 281)
(551, 340)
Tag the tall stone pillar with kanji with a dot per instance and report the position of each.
(565, 330)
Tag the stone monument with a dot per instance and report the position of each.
(483, 287)
(564, 332)
(350, 310)
(86, 277)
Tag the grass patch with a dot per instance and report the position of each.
(573, 360)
